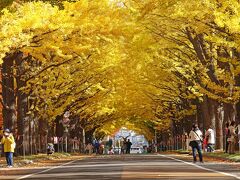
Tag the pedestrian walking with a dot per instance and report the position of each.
(129, 144)
(97, 146)
(205, 144)
(8, 146)
(210, 139)
(124, 144)
(195, 136)
(89, 148)
(227, 135)
(232, 138)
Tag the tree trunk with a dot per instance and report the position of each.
(34, 129)
(8, 94)
(219, 126)
(43, 132)
(206, 121)
(59, 127)
(212, 112)
(230, 112)
(22, 107)
(89, 136)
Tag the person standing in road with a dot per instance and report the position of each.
(232, 138)
(9, 146)
(195, 136)
(129, 144)
(210, 139)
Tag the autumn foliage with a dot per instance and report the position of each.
(147, 65)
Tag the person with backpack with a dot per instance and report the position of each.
(210, 139)
(50, 148)
(8, 146)
(195, 136)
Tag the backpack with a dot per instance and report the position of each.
(13, 145)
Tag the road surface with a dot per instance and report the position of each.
(128, 167)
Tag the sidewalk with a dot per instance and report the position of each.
(218, 155)
(42, 160)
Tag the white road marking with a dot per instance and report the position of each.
(137, 174)
(46, 170)
(200, 167)
(115, 165)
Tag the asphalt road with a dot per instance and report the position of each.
(128, 167)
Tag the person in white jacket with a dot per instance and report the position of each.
(210, 137)
(195, 136)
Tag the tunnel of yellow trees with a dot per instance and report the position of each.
(151, 66)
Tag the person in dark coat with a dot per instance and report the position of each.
(129, 144)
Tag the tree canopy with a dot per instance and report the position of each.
(142, 64)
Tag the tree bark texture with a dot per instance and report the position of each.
(8, 93)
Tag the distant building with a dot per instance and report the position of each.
(136, 139)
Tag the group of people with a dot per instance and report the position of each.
(126, 146)
(232, 135)
(197, 140)
(97, 147)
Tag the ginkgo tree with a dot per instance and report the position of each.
(148, 65)
(199, 40)
(63, 56)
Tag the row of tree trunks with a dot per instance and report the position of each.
(16, 104)
(31, 133)
(204, 111)
(215, 115)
